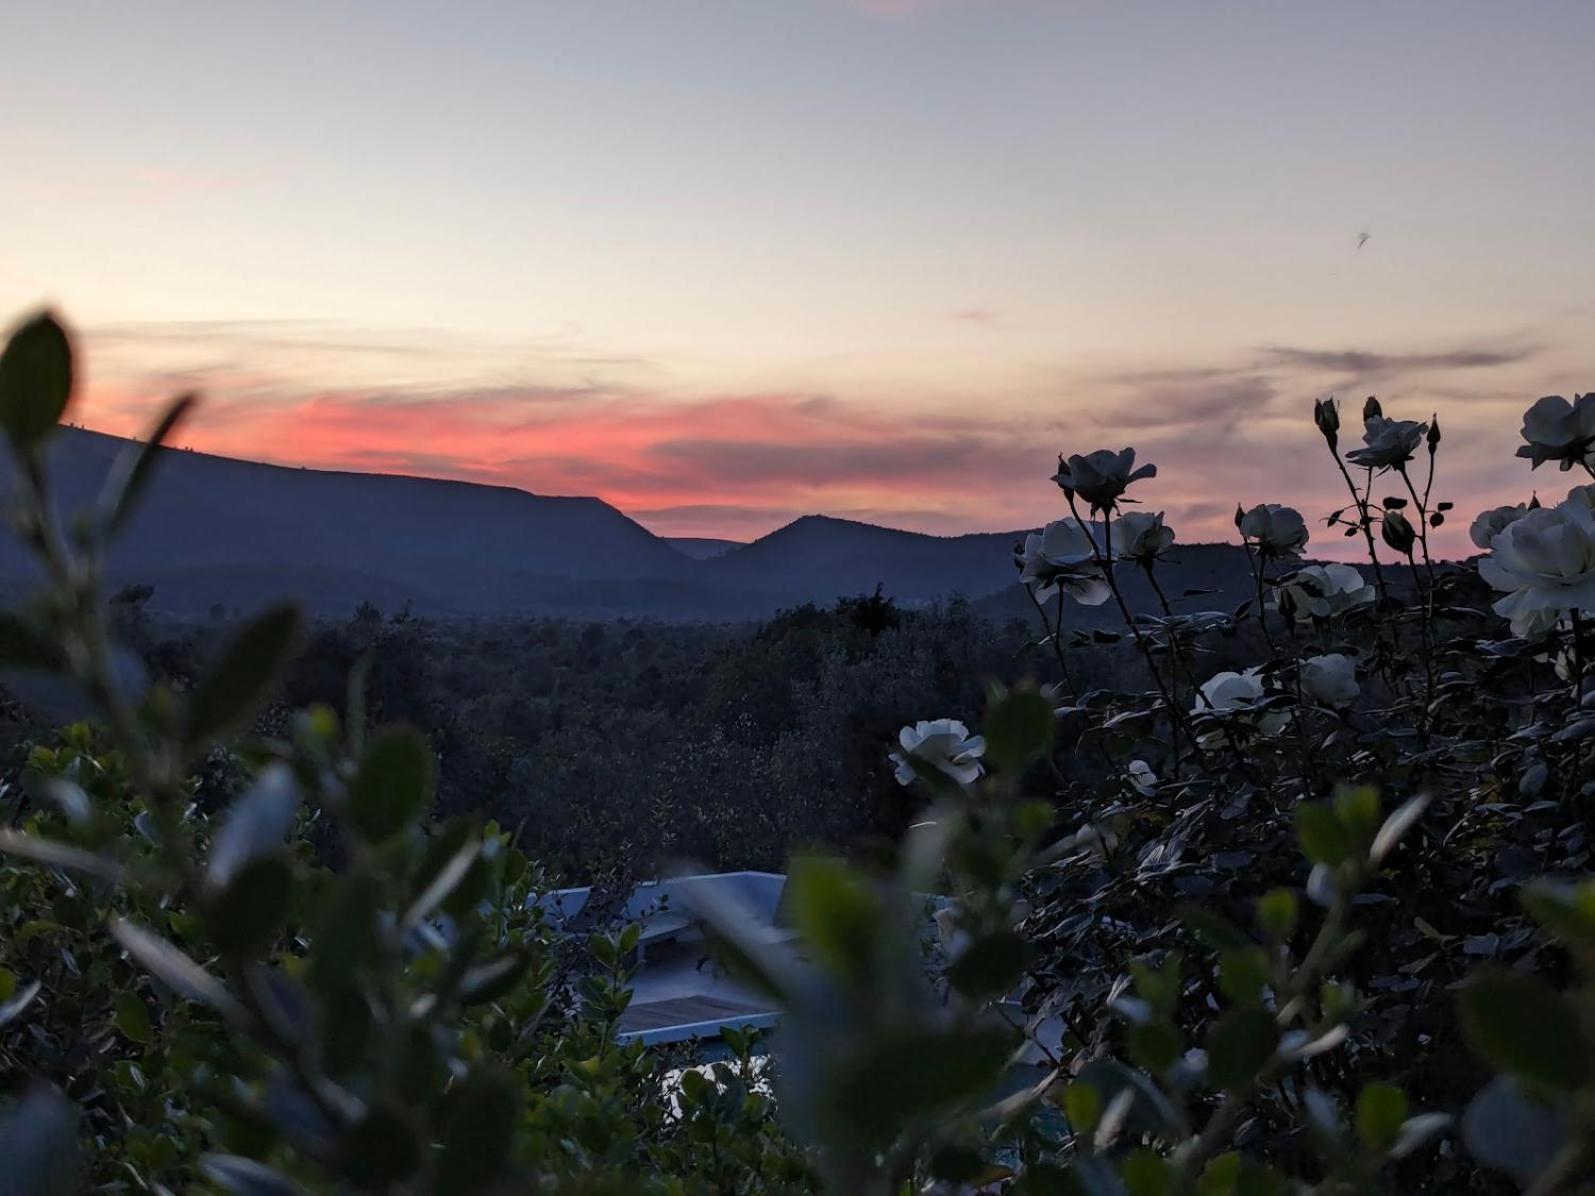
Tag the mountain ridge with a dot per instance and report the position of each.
(224, 531)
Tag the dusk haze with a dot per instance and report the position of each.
(724, 264)
(797, 598)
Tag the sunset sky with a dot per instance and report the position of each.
(727, 262)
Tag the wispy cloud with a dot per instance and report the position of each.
(1366, 364)
(557, 415)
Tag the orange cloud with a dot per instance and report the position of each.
(740, 465)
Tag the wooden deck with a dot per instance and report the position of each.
(682, 1011)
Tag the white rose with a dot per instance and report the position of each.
(1388, 442)
(1545, 562)
(1276, 530)
(1141, 777)
(1230, 691)
(1557, 430)
(1583, 495)
(1140, 535)
(1330, 679)
(1233, 695)
(944, 744)
(1322, 591)
(1061, 556)
(1102, 476)
(1493, 522)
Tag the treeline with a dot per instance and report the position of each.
(630, 745)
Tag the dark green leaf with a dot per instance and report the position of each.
(1239, 1046)
(835, 911)
(1323, 839)
(134, 466)
(490, 981)
(382, 1149)
(442, 884)
(901, 1077)
(1018, 730)
(133, 1018)
(1381, 1112)
(1146, 1173)
(1155, 1046)
(1506, 1130)
(57, 855)
(1524, 1027)
(35, 380)
(393, 786)
(172, 968)
(240, 682)
(991, 966)
(479, 1132)
(256, 824)
(247, 913)
(245, 1177)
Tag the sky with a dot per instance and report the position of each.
(727, 262)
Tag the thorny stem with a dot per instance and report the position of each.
(1255, 561)
(1176, 716)
(1361, 502)
(1055, 634)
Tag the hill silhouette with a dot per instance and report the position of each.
(219, 531)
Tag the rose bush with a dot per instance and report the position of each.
(1284, 934)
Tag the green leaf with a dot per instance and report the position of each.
(16, 1002)
(1159, 984)
(491, 980)
(1083, 1105)
(57, 855)
(1239, 1046)
(1277, 911)
(835, 911)
(133, 1018)
(172, 968)
(1155, 1046)
(907, 1075)
(256, 824)
(347, 937)
(379, 1151)
(1322, 837)
(1147, 1174)
(443, 882)
(1504, 1129)
(346, 1023)
(1018, 729)
(1522, 1026)
(1381, 1112)
(1566, 911)
(1243, 974)
(135, 465)
(245, 1177)
(1212, 930)
(479, 1132)
(393, 786)
(249, 911)
(35, 380)
(991, 966)
(1357, 807)
(240, 682)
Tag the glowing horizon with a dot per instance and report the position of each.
(725, 265)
